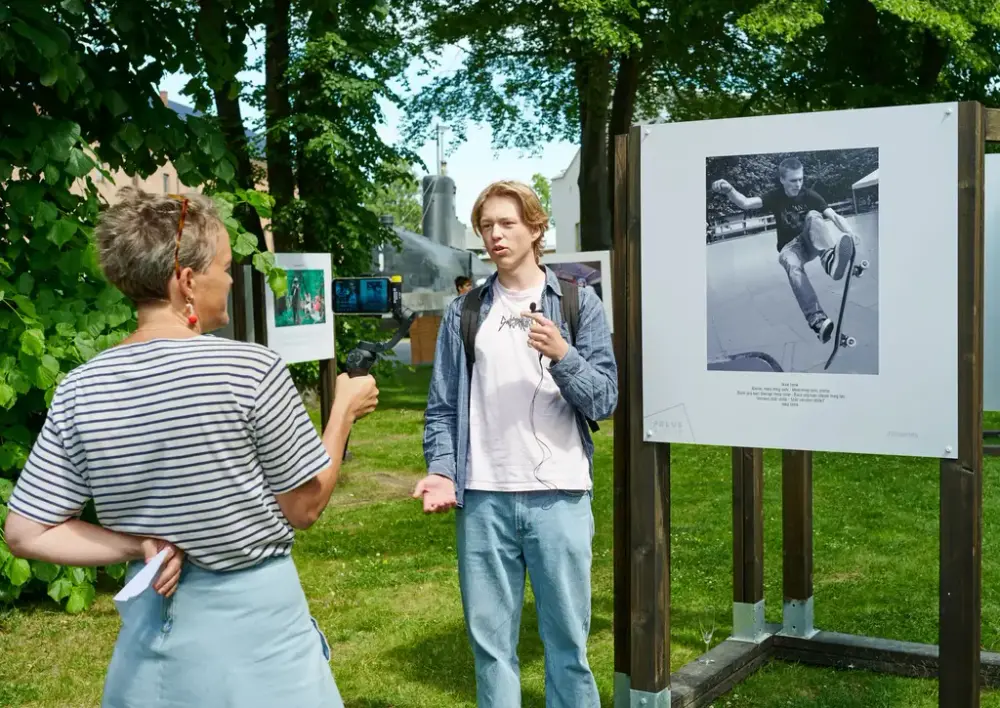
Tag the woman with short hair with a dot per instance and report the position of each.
(196, 444)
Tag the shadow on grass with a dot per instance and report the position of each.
(444, 659)
(789, 685)
(404, 389)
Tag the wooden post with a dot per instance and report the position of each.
(259, 289)
(327, 383)
(619, 265)
(238, 316)
(748, 544)
(962, 479)
(797, 547)
(649, 492)
(327, 386)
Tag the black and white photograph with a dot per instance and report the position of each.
(799, 280)
(591, 268)
(792, 270)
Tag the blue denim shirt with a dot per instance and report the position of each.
(587, 377)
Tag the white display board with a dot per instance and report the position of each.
(300, 323)
(991, 288)
(590, 267)
(729, 357)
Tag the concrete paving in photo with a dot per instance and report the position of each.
(751, 307)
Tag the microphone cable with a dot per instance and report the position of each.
(531, 419)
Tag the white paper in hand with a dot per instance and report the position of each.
(142, 580)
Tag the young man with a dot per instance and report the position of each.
(510, 448)
(463, 284)
(803, 222)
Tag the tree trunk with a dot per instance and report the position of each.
(933, 58)
(214, 38)
(277, 110)
(593, 76)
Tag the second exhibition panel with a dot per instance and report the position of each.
(300, 323)
(799, 281)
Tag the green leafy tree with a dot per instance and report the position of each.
(73, 101)
(864, 53)
(543, 188)
(401, 200)
(577, 70)
(327, 65)
(325, 108)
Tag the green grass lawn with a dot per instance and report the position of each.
(381, 580)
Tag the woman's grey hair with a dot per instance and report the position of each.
(137, 235)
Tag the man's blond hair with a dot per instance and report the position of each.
(529, 206)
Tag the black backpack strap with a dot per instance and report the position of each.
(571, 315)
(570, 308)
(470, 324)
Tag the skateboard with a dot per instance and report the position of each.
(841, 339)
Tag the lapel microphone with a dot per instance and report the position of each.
(534, 308)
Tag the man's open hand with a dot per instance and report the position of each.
(545, 337)
(438, 493)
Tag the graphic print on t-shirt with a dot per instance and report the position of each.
(523, 434)
(790, 212)
(521, 323)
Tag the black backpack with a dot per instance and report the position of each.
(470, 323)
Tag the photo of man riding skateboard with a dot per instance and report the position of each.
(807, 228)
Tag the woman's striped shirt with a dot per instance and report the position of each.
(188, 440)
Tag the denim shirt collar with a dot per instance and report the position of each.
(551, 282)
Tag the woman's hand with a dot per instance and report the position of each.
(357, 396)
(170, 571)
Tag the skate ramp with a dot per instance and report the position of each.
(751, 307)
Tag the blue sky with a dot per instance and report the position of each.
(473, 164)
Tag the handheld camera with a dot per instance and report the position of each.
(371, 296)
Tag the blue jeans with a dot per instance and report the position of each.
(501, 535)
(241, 638)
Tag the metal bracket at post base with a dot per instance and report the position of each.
(625, 697)
(641, 699)
(797, 618)
(748, 622)
(622, 685)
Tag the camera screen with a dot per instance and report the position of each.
(361, 296)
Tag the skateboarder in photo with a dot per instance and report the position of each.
(803, 220)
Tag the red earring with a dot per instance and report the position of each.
(192, 318)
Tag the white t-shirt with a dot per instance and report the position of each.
(523, 434)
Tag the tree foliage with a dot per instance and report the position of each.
(575, 70)
(584, 70)
(401, 200)
(72, 101)
(837, 54)
(543, 188)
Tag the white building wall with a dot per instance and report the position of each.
(565, 199)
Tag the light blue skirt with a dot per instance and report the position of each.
(242, 639)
